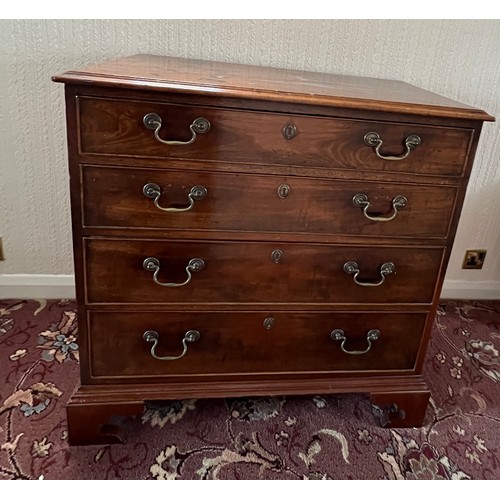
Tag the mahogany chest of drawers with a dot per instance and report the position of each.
(245, 231)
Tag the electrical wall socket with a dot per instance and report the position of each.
(474, 259)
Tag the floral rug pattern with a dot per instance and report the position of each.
(310, 437)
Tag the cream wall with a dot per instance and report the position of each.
(459, 59)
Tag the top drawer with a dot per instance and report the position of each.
(116, 127)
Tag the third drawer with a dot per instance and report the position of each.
(183, 271)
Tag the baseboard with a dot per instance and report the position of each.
(479, 290)
(37, 286)
(62, 286)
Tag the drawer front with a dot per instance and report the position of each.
(244, 202)
(239, 343)
(114, 127)
(117, 271)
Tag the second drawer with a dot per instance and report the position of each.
(180, 271)
(262, 203)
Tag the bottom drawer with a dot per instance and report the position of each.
(225, 343)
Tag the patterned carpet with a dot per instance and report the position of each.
(321, 437)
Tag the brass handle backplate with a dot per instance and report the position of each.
(153, 191)
(361, 201)
(372, 139)
(353, 268)
(370, 336)
(153, 264)
(153, 121)
(153, 337)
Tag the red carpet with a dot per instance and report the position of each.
(322, 437)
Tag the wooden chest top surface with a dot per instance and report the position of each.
(213, 78)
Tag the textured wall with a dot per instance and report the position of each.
(458, 59)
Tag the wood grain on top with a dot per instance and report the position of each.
(213, 78)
